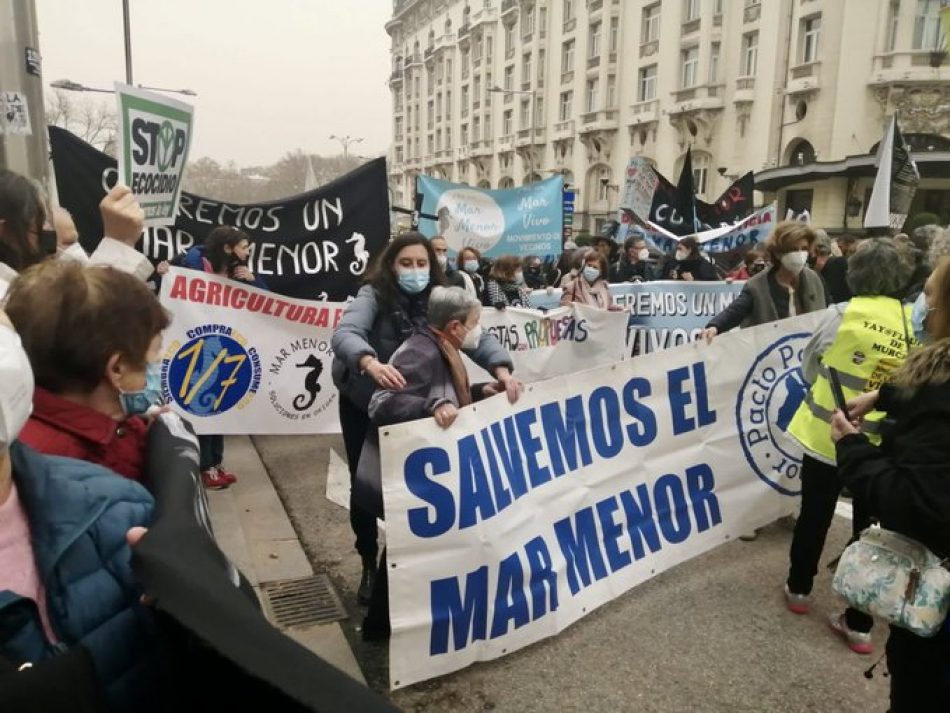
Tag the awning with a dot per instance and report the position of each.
(932, 164)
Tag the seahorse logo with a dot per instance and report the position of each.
(361, 254)
(311, 383)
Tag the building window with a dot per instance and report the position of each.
(614, 33)
(811, 33)
(509, 38)
(506, 122)
(541, 64)
(448, 70)
(525, 113)
(526, 67)
(892, 25)
(464, 135)
(568, 10)
(699, 179)
(647, 84)
(714, 52)
(593, 40)
(752, 3)
(477, 88)
(567, 57)
(651, 24)
(509, 77)
(927, 34)
(564, 106)
(611, 91)
(539, 111)
(717, 7)
(448, 138)
(690, 61)
(416, 84)
(477, 48)
(477, 128)
(527, 21)
(603, 184)
(750, 53)
(430, 143)
(464, 99)
(690, 10)
(448, 105)
(592, 95)
(430, 113)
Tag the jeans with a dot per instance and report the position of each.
(212, 451)
(820, 489)
(355, 424)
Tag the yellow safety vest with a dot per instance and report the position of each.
(872, 341)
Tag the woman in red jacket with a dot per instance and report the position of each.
(93, 336)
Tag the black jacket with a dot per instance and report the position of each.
(625, 271)
(699, 267)
(906, 482)
(834, 273)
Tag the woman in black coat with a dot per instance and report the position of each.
(688, 264)
(906, 484)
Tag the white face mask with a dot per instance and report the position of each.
(682, 255)
(472, 337)
(16, 387)
(443, 260)
(644, 254)
(74, 252)
(794, 262)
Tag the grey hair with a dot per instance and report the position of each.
(450, 303)
(822, 242)
(879, 267)
(925, 234)
(939, 247)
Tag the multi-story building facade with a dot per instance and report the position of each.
(496, 93)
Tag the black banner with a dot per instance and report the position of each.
(673, 210)
(315, 245)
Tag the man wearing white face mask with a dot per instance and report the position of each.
(455, 278)
(72, 629)
(436, 385)
(786, 289)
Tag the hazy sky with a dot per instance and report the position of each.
(271, 75)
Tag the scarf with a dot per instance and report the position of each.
(457, 371)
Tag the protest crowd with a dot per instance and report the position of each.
(114, 593)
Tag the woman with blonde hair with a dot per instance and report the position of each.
(788, 287)
(505, 286)
(904, 483)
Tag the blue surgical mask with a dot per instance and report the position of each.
(136, 403)
(471, 266)
(413, 281)
(919, 316)
(591, 273)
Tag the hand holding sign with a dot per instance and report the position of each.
(122, 217)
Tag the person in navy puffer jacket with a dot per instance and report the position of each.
(68, 598)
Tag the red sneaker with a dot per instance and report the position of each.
(226, 474)
(213, 480)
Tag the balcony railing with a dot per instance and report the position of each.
(804, 70)
(508, 5)
(569, 26)
(648, 49)
(752, 13)
(745, 83)
(690, 26)
(645, 111)
(567, 77)
(593, 62)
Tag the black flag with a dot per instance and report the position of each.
(674, 207)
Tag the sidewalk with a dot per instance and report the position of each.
(254, 531)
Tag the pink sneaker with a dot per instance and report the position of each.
(797, 603)
(858, 641)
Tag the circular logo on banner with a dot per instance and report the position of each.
(469, 219)
(301, 387)
(772, 391)
(212, 373)
(166, 146)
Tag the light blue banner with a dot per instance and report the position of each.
(663, 314)
(514, 221)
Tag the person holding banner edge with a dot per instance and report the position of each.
(389, 309)
(866, 340)
(590, 287)
(787, 288)
(436, 385)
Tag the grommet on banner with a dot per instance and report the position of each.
(385, 433)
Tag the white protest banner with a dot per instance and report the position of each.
(154, 137)
(748, 232)
(14, 114)
(562, 341)
(242, 360)
(663, 313)
(518, 520)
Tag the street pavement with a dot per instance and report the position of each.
(709, 636)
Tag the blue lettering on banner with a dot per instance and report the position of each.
(506, 459)
(772, 391)
(594, 542)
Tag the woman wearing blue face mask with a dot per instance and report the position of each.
(505, 286)
(389, 309)
(93, 337)
(470, 262)
(590, 287)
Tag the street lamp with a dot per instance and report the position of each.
(346, 141)
(532, 93)
(72, 86)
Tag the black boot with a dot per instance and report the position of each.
(376, 623)
(367, 581)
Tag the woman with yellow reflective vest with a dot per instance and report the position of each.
(865, 340)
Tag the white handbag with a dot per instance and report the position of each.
(896, 578)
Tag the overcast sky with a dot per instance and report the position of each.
(271, 75)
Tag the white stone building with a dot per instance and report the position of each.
(796, 90)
